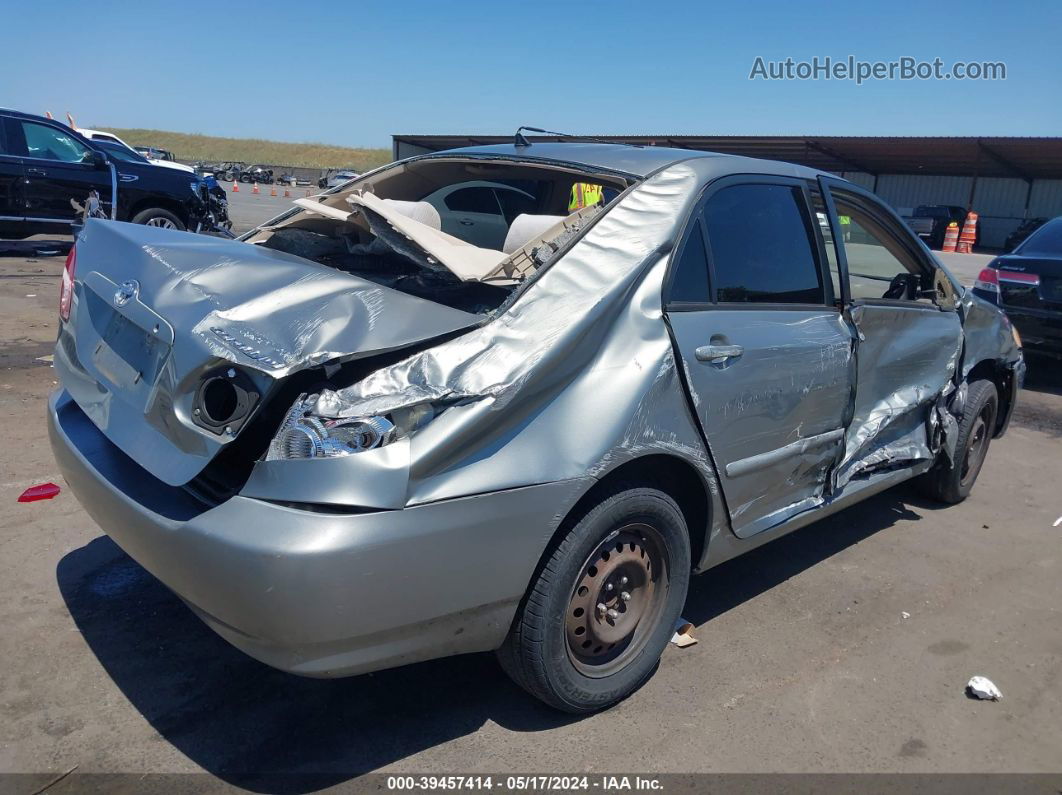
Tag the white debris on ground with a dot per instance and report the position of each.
(905, 614)
(682, 636)
(1058, 522)
(983, 688)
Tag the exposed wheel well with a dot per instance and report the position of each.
(673, 476)
(990, 370)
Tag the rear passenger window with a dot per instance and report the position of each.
(473, 200)
(689, 284)
(762, 250)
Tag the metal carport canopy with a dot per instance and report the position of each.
(1026, 158)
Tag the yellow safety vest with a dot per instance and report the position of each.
(585, 194)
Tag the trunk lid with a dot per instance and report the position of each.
(1045, 295)
(155, 310)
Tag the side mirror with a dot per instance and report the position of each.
(98, 159)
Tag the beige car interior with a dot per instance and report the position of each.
(384, 214)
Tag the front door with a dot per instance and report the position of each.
(766, 351)
(58, 168)
(909, 334)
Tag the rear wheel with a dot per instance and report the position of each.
(952, 482)
(156, 216)
(601, 611)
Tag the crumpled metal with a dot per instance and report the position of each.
(558, 314)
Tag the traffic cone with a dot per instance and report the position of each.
(968, 234)
(255, 189)
(235, 186)
(951, 237)
(273, 191)
(287, 193)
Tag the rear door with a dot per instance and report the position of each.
(766, 351)
(58, 168)
(12, 203)
(909, 334)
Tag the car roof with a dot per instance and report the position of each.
(638, 161)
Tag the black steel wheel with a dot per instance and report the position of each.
(951, 482)
(601, 609)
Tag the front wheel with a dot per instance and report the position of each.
(952, 482)
(156, 216)
(601, 611)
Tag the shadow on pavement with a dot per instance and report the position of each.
(261, 729)
(730, 584)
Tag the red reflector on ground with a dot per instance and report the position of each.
(45, 491)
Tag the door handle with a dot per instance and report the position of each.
(718, 353)
(37, 172)
(467, 222)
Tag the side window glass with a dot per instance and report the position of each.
(689, 282)
(878, 265)
(49, 143)
(514, 203)
(473, 200)
(762, 247)
(822, 221)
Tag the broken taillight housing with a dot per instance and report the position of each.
(66, 291)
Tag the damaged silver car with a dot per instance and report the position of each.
(356, 439)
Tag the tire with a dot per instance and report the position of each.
(952, 482)
(562, 648)
(156, 216)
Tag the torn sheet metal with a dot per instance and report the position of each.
(215, 300)
(906, 359)
(525, 390)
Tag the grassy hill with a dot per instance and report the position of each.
(189, 146)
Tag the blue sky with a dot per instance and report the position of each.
(353, 73)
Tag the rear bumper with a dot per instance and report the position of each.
(320, 594)
(1040, 329)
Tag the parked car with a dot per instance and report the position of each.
(930, 222)
(480, 212)
(354, 441)
(48, 171)
(148, 153)
(1027, 284)
(334, 179)
(1025, 228)
(154, 153)
(259, 174)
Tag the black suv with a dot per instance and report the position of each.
(48, 172)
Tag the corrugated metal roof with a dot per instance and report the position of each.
(1023, 157)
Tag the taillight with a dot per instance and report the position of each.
(1030, 279)
(988, 280)
(66, 292)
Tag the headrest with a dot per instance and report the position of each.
(526, 228)
(418, 211)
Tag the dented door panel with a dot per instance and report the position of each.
(774, 414)
(906, 358)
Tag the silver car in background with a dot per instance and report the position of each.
(354, 440)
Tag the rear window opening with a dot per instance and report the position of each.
(460, 232)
